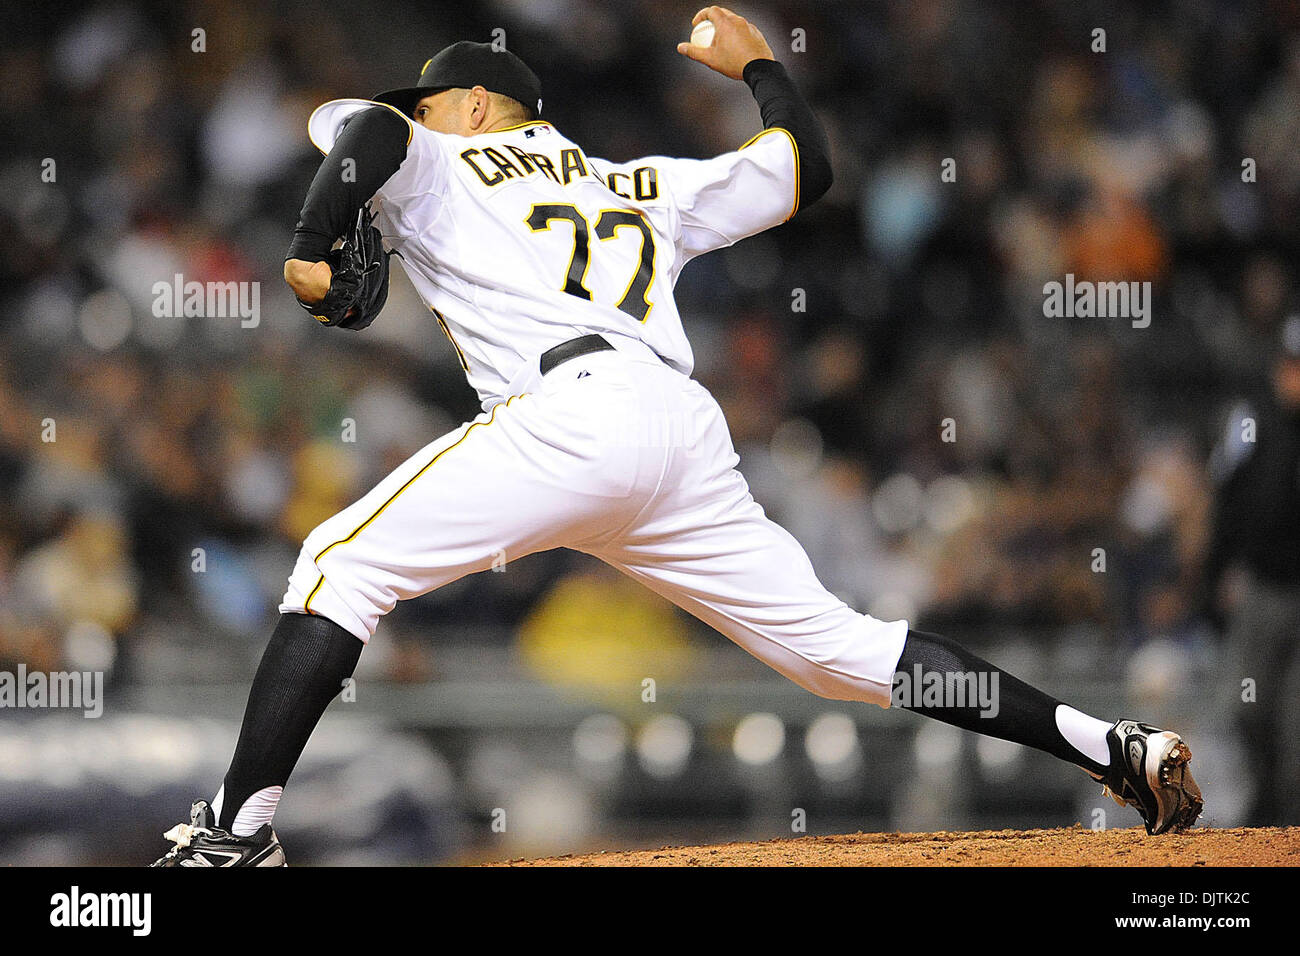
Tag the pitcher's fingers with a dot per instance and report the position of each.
(697, 53)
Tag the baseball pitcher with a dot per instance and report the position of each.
(551, 272)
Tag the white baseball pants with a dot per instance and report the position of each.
(617, 455)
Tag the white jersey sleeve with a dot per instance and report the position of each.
(722, 200)
(420, 183)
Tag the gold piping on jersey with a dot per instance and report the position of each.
(410, 124)
(361, 527)
(442, 323)
(506, 129)
(793, 146)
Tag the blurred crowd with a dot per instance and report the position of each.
(944, 451)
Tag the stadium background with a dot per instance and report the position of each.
(523, 690)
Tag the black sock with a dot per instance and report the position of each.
(302, 670)
(1022, 714)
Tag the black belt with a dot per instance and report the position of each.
(582, 345)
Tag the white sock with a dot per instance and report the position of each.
(1085, 734)
(256, 811)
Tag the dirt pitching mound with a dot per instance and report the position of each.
(1075, 846)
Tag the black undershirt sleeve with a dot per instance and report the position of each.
(781, 104)
(372, 144)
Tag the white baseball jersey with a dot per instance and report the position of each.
(518, 241)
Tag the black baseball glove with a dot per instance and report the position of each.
(359, 282)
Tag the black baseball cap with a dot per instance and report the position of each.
(465, 65)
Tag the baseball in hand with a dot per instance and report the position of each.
(702, 35)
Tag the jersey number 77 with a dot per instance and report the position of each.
(610, 221)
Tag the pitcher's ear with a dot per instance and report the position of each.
(481, 100)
